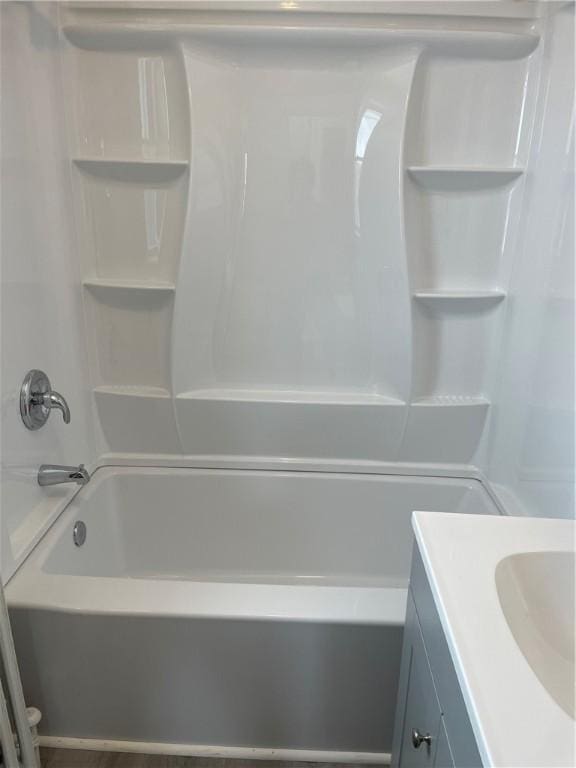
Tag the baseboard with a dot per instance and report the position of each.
(203, 750)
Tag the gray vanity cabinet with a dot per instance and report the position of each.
(432, 729)
(443, 757)
(418, 713)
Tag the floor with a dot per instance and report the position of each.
(83, 758)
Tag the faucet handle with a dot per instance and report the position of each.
(37, 400)
(55, 400)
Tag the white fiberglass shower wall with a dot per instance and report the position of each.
(40, 303)
(300, 241)
(297, 240)
(317, 241)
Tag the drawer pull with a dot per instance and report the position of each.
(420, 738)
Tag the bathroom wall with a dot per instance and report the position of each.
(328, 249)
(41, 318)
(530, 459)
(297, 243)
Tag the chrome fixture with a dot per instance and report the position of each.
(55, 474)
(79, 533)
(37, 400)
(419, 738)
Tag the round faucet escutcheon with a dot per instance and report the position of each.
(38, 399)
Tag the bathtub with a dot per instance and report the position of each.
(225, 612)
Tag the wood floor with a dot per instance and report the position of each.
(83, 758)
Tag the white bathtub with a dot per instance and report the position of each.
(225, 609)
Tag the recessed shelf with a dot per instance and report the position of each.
(137, 418)
(130, 336)
(454, 178)
(132, 390)
(103, 286)
(290, 396)
(135, 171)
(450, 401)
(459, 299)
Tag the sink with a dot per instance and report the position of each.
(536, 593)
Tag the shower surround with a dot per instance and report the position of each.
(297, 235)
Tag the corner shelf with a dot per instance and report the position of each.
(451, 401)
(103, 286)
(132, 170)
(459, 299)
(453, 178)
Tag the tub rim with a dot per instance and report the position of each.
(31, 587)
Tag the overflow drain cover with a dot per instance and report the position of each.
(79, 533)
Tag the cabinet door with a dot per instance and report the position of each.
(443, 757)
(418, 707)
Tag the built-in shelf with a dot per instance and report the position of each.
(290, 396)
(451, 401)
(137, 418)
(254, 395)
(452, 178)
(138, 171)
(103, 286)
(119, 36)
(132, 390)
(459, 299)
(126, 35)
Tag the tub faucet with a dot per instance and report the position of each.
(54, 474)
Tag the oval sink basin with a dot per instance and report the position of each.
(536, 592)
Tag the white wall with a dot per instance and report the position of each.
(531, 449)
(40, 312)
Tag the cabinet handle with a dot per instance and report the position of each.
(420, 738)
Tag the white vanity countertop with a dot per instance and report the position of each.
(515, 720)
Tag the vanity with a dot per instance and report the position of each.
(487, 675)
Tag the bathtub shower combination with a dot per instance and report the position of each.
(293, 234)
(214, 607)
